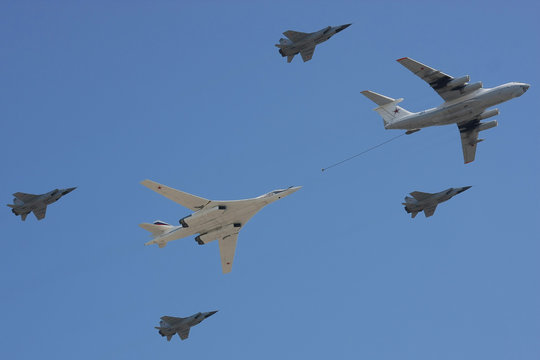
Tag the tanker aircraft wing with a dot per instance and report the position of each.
(469, 139)
(439, 81)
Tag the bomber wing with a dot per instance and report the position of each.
(307, 54)
(40, 212)
(469, 139)
(192, 202)
(25, 197)
(227, 248)
(184, 334)
(295, 36)
(435, 78)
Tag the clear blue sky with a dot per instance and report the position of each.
(101, 95)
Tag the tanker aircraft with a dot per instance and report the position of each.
(465, 104)
(212, 219)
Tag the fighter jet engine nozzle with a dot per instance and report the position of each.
(458, 82)
(469, 88)
(487, 125)
(202, 216)
(488, 114)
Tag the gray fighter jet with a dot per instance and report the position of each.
(426, 202)
(211, 220)
(23, 204)
(170, 325)
(465, 104)
(304, 43)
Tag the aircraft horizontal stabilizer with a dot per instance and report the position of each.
(377, 98)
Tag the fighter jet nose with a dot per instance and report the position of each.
(464, 189)
(210, 313)
(525, 87)
(342, 27)
(67, 191)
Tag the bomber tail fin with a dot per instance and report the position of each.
(157, 228)
(388, 108)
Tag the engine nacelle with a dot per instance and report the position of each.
(487, 125)
(458, 82)
(202, 216)
(488, 114)
(218, 233)
(469, 88)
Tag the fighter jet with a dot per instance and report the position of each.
(304, 43)
(170, 325)
(465, 104)
(23, 204)
(212, 219)
(426, 202)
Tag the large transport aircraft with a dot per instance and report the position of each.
(212, 219)
(465, 104)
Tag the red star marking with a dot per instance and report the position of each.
(421, 68)
(396, 111)
(228, 263)
(159, 187)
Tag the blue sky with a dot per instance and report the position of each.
(102, 95)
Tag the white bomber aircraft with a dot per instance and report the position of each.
(464, 104)
(212, 219)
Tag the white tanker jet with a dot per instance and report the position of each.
(212, 219)
(464, 104)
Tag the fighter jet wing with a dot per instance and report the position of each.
(192, 202)
(25, 197)
(171, 319)
(307, 54)
(295, 35)
(40, 212)
(435, 78)
(227, 248)
(184, 334)
(418, 195)
(430, 211)
(469, 140)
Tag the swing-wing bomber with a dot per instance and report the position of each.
(211, 220)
